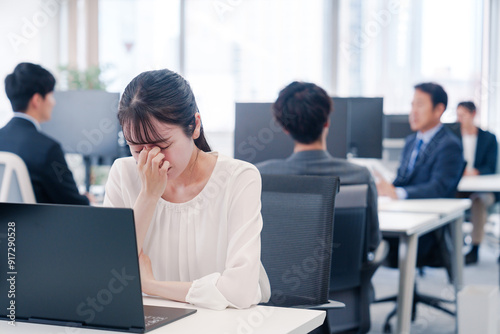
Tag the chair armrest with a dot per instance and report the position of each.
(379, 256)
(332, 304)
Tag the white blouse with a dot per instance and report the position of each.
(213, 240)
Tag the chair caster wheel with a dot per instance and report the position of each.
(387, 328)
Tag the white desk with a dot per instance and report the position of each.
(256, 320)
(408, 219)
(485, 183)
(396, 223)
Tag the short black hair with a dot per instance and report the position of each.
(27, 80)
(437, 93)
(469, 105)
(302, 109)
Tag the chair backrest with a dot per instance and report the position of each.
(349, 238)
(297, 237)
(15, 183)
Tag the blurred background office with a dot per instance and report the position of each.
(235, 50)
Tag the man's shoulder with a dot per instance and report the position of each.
(350, 173)
(18, 129)
(273, 166)
(46, 142)
(347, 171)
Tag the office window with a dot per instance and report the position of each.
(387, 46)
(137, 36)
(492, 85)
(248, 51)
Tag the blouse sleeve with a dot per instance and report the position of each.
(238, 285)
(113, 191)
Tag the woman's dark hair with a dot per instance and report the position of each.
(469, 105)
(437, 93)
(302, 109)
(27, 80)
(162, 95)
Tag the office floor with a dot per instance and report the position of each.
(430, 321)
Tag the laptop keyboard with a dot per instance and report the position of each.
(151, 320)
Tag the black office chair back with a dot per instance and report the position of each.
(349, 238)
(297, 237)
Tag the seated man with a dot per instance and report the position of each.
(30, 91)
(431, 162)
(480, 152)
(303, 109)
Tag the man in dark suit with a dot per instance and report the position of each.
(432, 160)
(480, 152)
(30, 91)
(303, 109)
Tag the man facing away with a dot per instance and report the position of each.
(30, 90)
(431, 161)
(302, 109)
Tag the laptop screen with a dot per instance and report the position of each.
(70, 264)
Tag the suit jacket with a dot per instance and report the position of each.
(437, 170)
(321, 163)
(486, 153)
(50, 176)
(485, 160)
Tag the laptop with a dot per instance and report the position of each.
(74, 266)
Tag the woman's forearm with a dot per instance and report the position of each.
(144, 209)
(169, 290)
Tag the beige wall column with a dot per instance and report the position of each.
(92, 33)
(72, 33)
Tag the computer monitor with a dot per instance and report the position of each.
(85, 122)
(365, 125)
(397, 126)
(355, 129)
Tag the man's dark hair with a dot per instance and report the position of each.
(437, 93)
(27, 80)
(469, 105)
(303, 109)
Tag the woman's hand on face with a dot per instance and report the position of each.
(153, 171)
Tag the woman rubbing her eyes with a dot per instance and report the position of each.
(197, 213)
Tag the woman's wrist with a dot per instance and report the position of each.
(146, 198)
(148, 286)
(176, 291)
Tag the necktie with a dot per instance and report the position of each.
(414, 155)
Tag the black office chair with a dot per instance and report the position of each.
(297, 237)
(351, 272)
(440, 257)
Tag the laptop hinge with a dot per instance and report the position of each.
(136, 329)
(55, 322)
